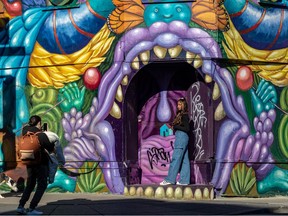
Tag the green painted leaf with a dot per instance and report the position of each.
(234, 178)
(232, 185)
(250, 185)
(243, 175)
(248, 176)
(98, 178)
(100, 187)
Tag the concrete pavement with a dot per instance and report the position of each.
(110, 204)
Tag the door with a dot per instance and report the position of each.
(201, 133)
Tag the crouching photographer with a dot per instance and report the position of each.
(34, 155)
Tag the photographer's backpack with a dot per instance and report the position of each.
(29, 149)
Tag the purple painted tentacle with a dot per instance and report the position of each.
(226, 95)
(242, 109)
(88, 117)
(104, 139)
(105, 108)
(66, 126)
(76, 153)
(229, 163)
(107, 78)
(248, 148)
(226, 130)
(265, 168)
(239, 149)
(243, 132)
(228, 80)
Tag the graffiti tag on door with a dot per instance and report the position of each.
(197, 115)
(157, 154)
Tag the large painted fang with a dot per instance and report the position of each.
(197, 62)
(125, 81)
(160, 52)
(208, 79)
(135, 63)
(115, 111)
(219, 112)
(119, 94)
(216, 92)
(145, 57)
(190, 57)
(175, 51)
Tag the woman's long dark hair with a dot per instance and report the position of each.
(179, 113)
(34, 120)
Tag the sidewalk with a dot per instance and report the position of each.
(110, 204)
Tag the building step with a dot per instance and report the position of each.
(187, 192)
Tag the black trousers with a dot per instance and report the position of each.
(36, 174)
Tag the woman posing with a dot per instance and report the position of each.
(180, 160)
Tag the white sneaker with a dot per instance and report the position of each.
(164, 182)
(178, 183)
(34, 212)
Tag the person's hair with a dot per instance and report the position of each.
(34, 120)
(178, 117)
(185, 105)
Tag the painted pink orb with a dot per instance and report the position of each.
(244, 78)
(92, 77)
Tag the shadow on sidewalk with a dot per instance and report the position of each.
(138, 206)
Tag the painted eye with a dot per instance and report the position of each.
(156, 10)
(178, 9)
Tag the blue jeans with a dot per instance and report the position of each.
(180, 160)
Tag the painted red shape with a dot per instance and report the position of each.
(92, 78)
(244, 78)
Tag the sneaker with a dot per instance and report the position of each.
(34, 212)
(21, 210)
(164, 182)
(178, 183)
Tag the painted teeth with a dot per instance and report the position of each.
(175, 51)
(145, 57)
(208, 79)
(190, 57)
(216, 92)
(219, 112)
(160, 52)
(125, 81)
(135, 63)
(197, 62)
(115, 111)
(119, 94)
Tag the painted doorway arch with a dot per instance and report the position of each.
(149, 103)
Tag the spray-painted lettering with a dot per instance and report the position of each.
(157, 154)
(197, 113)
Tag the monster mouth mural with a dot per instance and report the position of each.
(149, 37)
(200, 48)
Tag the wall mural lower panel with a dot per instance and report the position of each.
(106, 75)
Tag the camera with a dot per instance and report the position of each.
(44, 127)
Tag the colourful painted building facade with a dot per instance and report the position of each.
(106, 75)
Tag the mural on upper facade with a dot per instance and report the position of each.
(74, 67)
